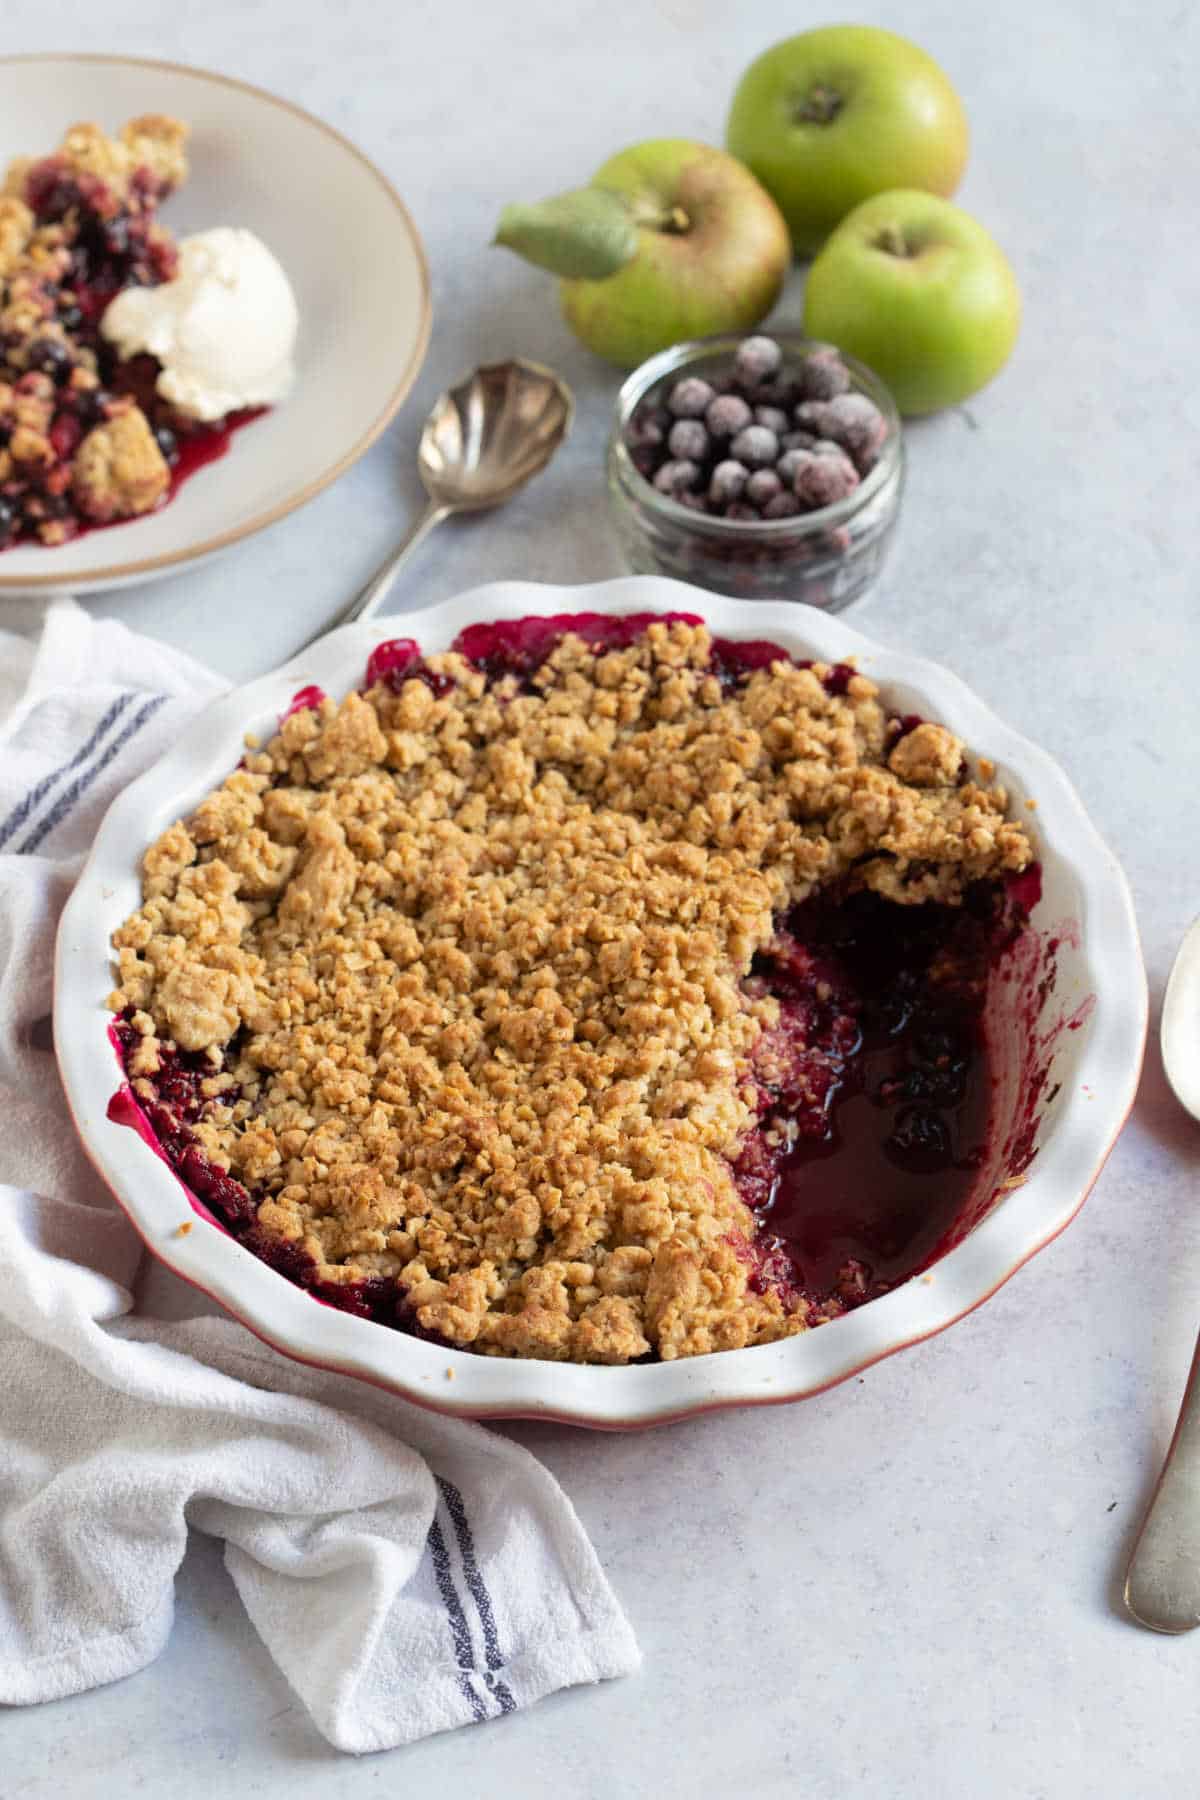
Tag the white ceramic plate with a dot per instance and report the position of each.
(1087, 1033)
(352, 254)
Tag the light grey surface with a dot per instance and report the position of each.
(907, 1587)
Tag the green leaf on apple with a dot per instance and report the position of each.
(670, 240)
(587, 234)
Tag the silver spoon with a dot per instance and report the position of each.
(1162, 1588)
(484, 439)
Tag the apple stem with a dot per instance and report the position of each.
(674, 219)
(891, 240)
(820, 106)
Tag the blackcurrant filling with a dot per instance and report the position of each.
(872, 1089)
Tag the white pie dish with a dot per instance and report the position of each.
(351, 252)
(1088, 1036)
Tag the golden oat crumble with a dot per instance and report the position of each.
(153, 141)
(471, 965)
(119, 470)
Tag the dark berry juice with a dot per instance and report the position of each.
(873, 1091)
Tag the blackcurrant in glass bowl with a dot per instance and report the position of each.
(768, 468)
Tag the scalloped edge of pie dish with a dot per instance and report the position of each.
(1079, 1131)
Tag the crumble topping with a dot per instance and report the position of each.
(469, 961)
(154, 142)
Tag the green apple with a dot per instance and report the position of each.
(916, 288)
(671, 240)
(830, 117)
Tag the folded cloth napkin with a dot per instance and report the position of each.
(408, 1573)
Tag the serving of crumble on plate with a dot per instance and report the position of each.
(83, 441)
(533, 997)
(119, 427)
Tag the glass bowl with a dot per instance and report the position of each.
(825, 558)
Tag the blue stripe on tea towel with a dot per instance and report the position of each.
(479, 1593)
(23, 808)
(457, 1618)
(67, 799)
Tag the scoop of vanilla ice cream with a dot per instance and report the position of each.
(224, 328)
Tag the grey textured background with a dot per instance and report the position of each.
(905, 1588)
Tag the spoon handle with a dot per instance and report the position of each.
(1162, 1588)
(372, 597)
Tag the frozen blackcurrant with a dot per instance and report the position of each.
(676, 475)
(762, 486)
(690, 398)
(773, 417)
(757, 360)
(783, 506)
(822, 480)
(810, 416)
(822, 376)
(647, 428)
(755, 446)
(741, 509)
(791, 459)
(688, 439)
(728, 415)
(797, 440)
(850, 420)
(727, 481)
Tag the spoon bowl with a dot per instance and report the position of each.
(490, 434)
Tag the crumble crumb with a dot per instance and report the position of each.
(927, 756)
(469, 961)
(157, 142)
(119, 470)
(16, 229)
(154, 142)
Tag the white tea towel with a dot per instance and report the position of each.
(408, 1573)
